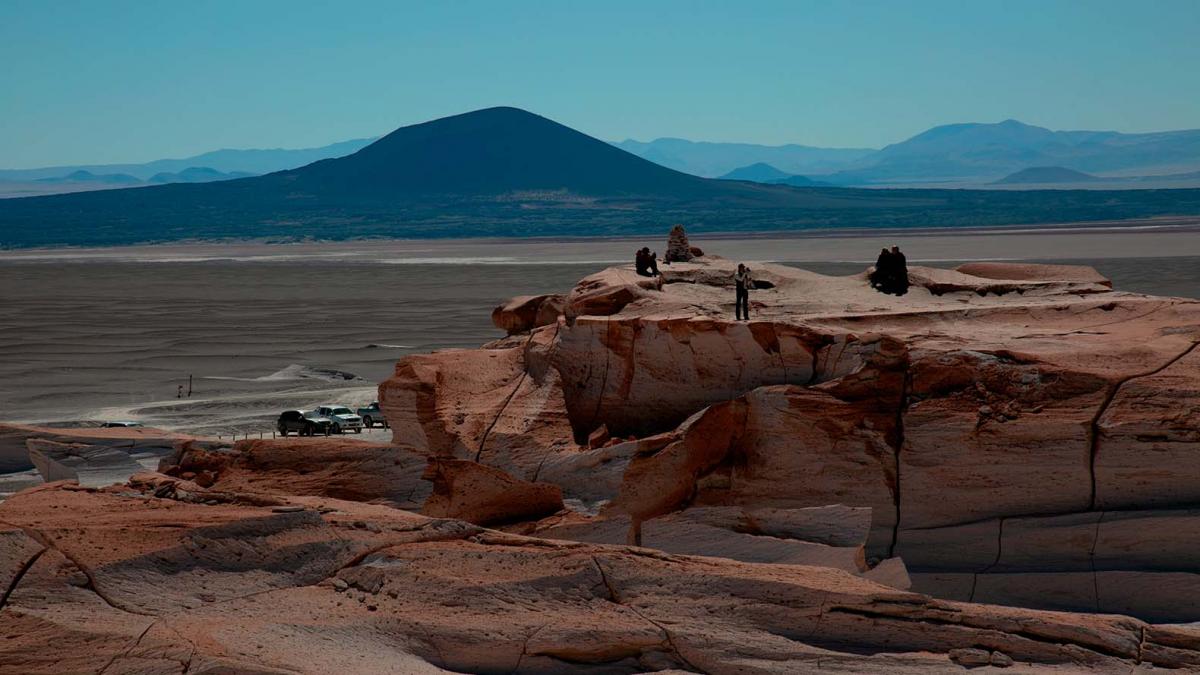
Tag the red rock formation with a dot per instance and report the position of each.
(484, 495)
(320, 467)
(1014, 394)
(14, 454)
(1022, 436)
(156, 585)
(524, 313)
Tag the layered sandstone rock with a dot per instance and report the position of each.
(321, 467)
(89, 465)
(14, 451)
(526, 312)
(485, 495)
(155, 585)
(989, 395)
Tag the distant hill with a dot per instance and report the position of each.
(987, 152)
(508, 172)
(82, 176)
(1047, 175)
(196, 174)
(718, 159)
(800, 181)
(765, 173)
(246, 161)
(760, 172)
(490, 151)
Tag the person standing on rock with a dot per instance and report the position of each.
(743, 281)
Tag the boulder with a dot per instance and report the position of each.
(325, 466)
(14, 454)
(89, 465)
(485, 495)
(501, 406)
(526, 312)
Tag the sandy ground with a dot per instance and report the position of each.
(111, 333)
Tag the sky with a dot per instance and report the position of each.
(116, 81)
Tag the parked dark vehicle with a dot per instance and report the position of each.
(304, 424)
(372, 415)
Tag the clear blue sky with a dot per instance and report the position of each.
(111, 81)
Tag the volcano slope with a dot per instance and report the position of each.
(1023, 434)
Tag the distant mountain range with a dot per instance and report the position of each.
(208, 166)
(508, 172)
(956, 153)
(762, 172)
(717, 159)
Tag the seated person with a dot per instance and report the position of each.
(646, 262)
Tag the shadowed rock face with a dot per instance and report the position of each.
(157, 585)
(14, 449)
(485, 495)
(989, 396)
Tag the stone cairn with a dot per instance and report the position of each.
(677, 246)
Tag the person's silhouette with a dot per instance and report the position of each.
(742, 281)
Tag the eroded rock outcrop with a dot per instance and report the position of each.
(526, 312)
(320, 467)
(156, 585)
(485, 495)
(141, 441)
(989, 395)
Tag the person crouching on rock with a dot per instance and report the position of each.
(646, 262)
(878, 276)
(899, 272)
(744, 282)
(891, 272)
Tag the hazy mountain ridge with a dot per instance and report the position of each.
(506, 172)
(711, 159)
(765, 173)
(974, 152)
(249, 161)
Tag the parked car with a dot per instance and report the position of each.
(303, 423)
(372, 415)
(343, 418)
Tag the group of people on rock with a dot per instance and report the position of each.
(890, 275)
(891, 272)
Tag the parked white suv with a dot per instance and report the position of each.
(343, 418)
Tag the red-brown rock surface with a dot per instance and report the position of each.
(526, 312)
(1011, 434)
(319, 467)
(485, 495)
(14, 452)
(988, 394)
(155, 585)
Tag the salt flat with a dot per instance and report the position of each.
(111, 333)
